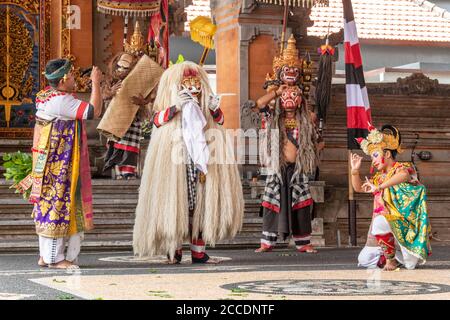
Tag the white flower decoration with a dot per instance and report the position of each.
(364, 146)
(375, 137)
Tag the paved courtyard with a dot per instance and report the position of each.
(279, 275)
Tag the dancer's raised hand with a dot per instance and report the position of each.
(355, 161)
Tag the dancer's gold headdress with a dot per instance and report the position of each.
(387, 139)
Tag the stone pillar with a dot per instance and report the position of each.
(226, 14)
(246, 41)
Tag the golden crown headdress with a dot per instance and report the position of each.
(388, 139)
(137, 44)
(288, 57)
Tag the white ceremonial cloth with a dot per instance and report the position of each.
(193, 124)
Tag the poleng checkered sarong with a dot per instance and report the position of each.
(301, 195)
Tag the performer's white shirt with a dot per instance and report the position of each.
(64, 107)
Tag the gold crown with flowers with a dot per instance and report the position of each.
(379, 141)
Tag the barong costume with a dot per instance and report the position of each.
(185, 195)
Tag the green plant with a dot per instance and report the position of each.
(18, 166)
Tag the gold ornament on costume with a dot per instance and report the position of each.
(290, 124)
(137, 44)
(379, 141)
(289, 56)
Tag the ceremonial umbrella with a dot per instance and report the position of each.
(202, 32)
(129, 8)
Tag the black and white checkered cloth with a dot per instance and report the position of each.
(299, 185)
(133, 135)
(272, 191)
(300, 188)
(192, 177)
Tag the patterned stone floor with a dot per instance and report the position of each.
(241, 285)
(242, 275)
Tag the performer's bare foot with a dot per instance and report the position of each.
(263, 249)
(307, 249)
(391, 265)
(42, 263)
(64, 265)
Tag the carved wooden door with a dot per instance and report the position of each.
(23, 52)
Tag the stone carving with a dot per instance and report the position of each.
(249, 119)
(417, 83)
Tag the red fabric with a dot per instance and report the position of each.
(127, 169)
(387, 244)
(126, 148)
(303, 204)
(156, 120)
(81, 110)
(266, 246)
(196, 254)
(217, 115)
(166, 115)
(353, 54)
(381, 262)
(358, 117)
(270, 206)
(198, 242)
(165, 5)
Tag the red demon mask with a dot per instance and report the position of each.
(291, 98)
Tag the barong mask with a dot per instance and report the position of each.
(192, 83)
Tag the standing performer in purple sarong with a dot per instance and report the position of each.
(61, 181)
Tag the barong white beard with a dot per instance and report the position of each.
(162, 213)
